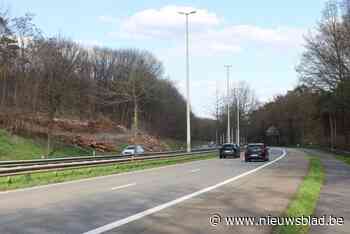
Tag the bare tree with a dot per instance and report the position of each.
(325, 63)
(59, 61)
(8, 54)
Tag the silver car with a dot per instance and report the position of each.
(133, 150)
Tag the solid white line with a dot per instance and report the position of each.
(195, 170)
(123, 186)
(153, 210)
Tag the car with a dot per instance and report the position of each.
(229, 150)
(133, 150)
(256, 151)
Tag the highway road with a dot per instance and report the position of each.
(108, 203)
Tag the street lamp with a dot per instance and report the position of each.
(188, 105)
(238, 134)
(228, 102)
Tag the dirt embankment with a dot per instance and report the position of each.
(102, 135)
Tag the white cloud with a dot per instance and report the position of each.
(166, 22)
(210, 37)
(283, 36)
(208, 31)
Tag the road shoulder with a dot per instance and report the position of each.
(264, 193)
(334, 198)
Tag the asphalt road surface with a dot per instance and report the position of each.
(112, 203)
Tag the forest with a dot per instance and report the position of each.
(317, 111)
(55, 77)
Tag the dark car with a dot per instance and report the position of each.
(256, 151)
(229, 150)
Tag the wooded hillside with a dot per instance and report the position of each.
(58, 78)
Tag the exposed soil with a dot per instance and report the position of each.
(102, 135)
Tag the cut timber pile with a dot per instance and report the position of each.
(70, 125)
(102, 135)
(91, 142)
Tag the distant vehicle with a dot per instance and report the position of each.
(256, 151)
(229, 150)
(133, 150)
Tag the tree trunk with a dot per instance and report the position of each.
(330, 118)
(3, 88)
(48, 146)
(16, 81)
(136, 118)
(335, 132)
(302, 133)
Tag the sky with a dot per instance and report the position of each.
(262, 40)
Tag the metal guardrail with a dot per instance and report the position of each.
(16, 163)
(59, 164)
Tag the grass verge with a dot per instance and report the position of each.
(31, 180)
(345, 159)
(304, 203)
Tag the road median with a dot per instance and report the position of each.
(31, 180)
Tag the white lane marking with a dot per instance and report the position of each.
(99, 177)
(123, 186)
(195, 170)
(153, 210)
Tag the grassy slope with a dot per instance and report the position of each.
(345, 159)
(24, 181)
(13, 147)
(306, 198)
(16, 148)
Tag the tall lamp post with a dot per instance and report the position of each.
(188, 104)
(238, 134)
(228, 102)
